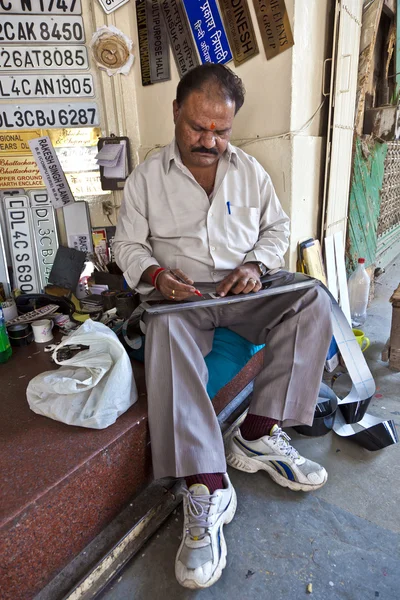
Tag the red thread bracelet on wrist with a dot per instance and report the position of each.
(155, 275)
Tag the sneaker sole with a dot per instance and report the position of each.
(193, 585)
(251, 465)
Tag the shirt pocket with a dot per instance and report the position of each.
(242, 227)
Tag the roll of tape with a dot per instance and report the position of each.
(20, 334)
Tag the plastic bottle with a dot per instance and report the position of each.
(5, 347)
(358, 285)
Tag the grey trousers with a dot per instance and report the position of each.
(185, 435)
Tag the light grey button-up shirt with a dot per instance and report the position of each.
(167, 219)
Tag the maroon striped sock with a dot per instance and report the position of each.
(212, 480)
(254, 427)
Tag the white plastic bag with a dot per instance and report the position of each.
(92, 388)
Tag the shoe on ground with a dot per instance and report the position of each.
(202, 554)
(274, 454)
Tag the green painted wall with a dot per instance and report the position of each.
(364, 204)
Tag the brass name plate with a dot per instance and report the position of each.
(141, 19)
(274, 25)
(180, 37)
(239, 28)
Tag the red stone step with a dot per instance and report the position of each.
(61, 485)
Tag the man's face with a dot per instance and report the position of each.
(203, 127)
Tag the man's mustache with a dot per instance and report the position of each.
(206, 150)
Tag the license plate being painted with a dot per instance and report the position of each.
(45, 233)
(21, 245)
(36, 29)
(44, 58)
(41, 7)
(28, 116)
(45, 86)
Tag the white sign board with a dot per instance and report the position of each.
(21, 244)
(43, 58)
(110, 5)
(16, 29)
(41, 7)
(43, 116)
(45, 86)
(51, 171)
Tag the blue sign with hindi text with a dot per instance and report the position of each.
(208, 31)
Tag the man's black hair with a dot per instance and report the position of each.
(231, 85)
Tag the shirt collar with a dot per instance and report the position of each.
(173, 155)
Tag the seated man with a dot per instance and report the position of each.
(206, 211)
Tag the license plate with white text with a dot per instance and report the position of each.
(41, 7)
(28, 116)
(17, 29)
(46, 86)
(43, 57)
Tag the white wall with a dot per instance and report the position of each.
(282, 94)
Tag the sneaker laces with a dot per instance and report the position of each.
(282, 440)
(198, 511)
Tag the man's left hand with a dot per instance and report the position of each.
(242, 280)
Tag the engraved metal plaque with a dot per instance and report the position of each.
(180, 37)
(239, 28)
(274, 26)
(158, 45)
(141, 19)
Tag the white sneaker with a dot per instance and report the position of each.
(202, 554)
(273, 453)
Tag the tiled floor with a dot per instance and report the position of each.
(344, 538)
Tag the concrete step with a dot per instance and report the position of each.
(61, 484)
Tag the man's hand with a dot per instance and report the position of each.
(171, 288)
(242, 280)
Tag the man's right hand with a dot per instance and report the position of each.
(169, 286)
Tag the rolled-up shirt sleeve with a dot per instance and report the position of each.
(273, 240)
(132, 250)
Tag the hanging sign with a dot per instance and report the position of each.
(45, 86)
(110, 5)
(51, 170)
(28, 116)
(143, 41)
(179, 36)
(44, 233)
(158, 46)
(240, 30)
(17, 143)
(86, 183)
(16, 28)
(274, 25)
(19, 172)
(21, 244)
(41, 7)
(208, 31)
(43, 58)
